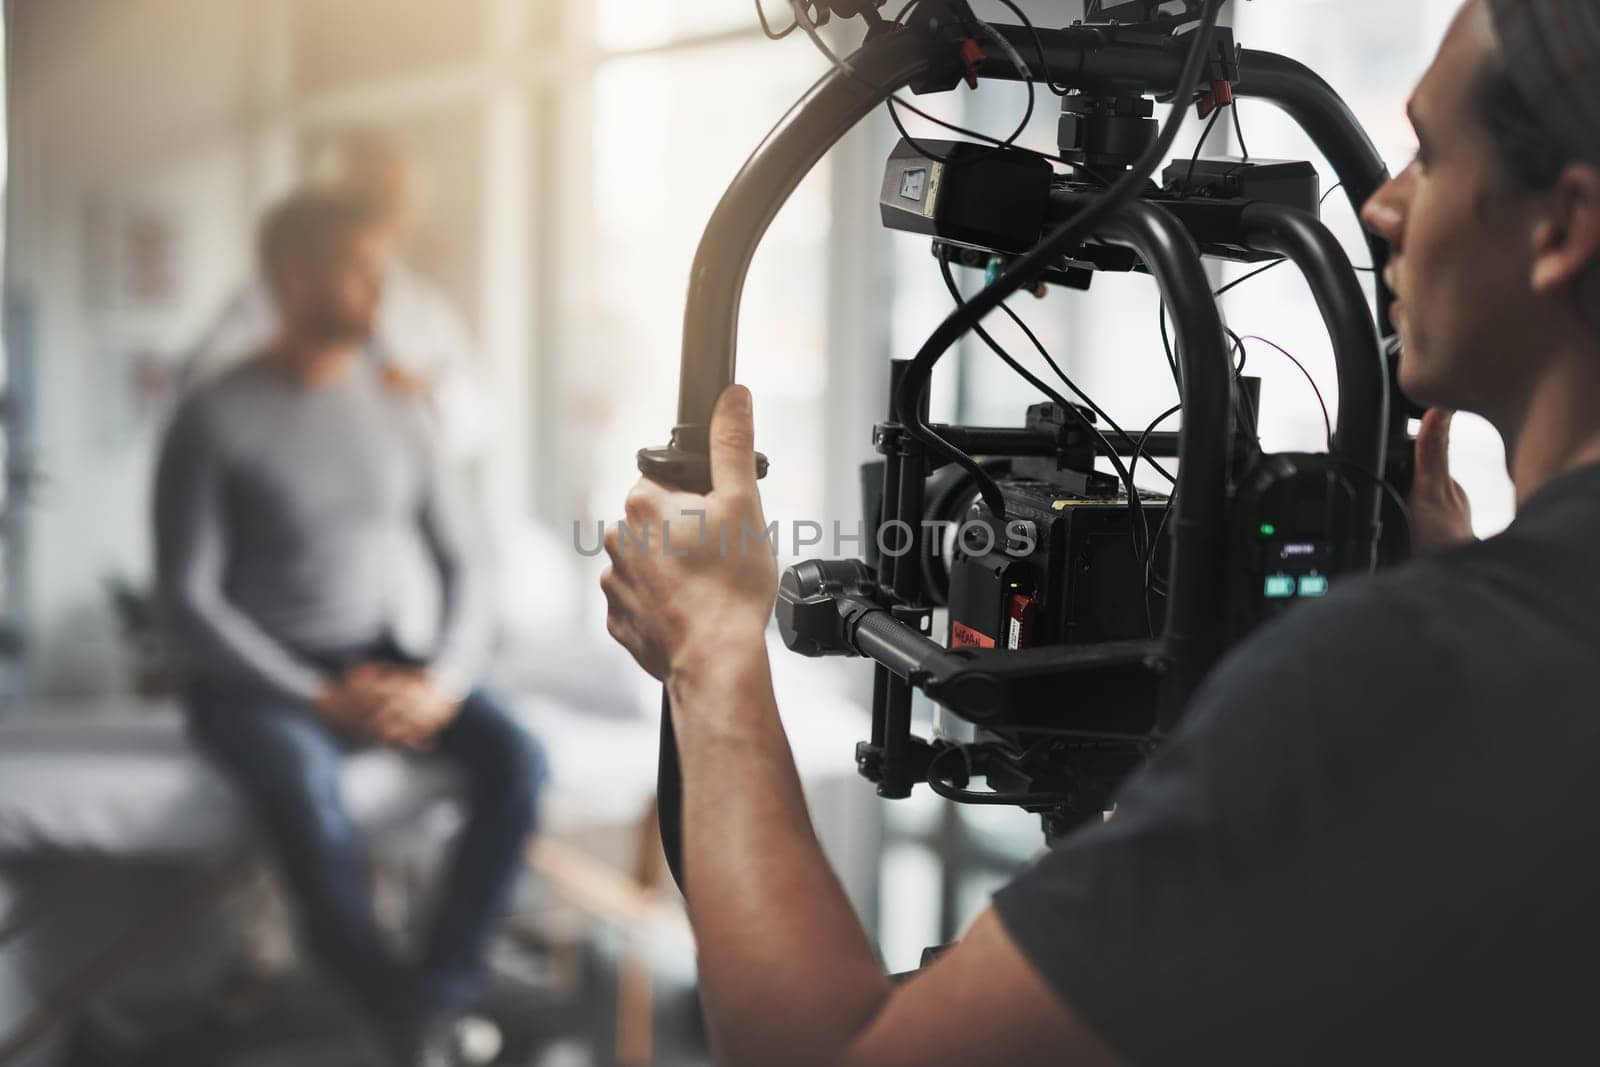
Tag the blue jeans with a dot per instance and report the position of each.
(287, 762)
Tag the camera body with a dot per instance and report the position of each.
(1078, 578)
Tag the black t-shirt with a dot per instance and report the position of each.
(1375, 837)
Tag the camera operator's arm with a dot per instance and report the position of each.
(788, 974)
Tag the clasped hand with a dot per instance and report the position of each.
(390, 704)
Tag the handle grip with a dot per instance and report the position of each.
(684, 469)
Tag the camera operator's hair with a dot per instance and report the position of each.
(1524, 150)
(308, 229)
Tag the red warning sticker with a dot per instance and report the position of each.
(1021, 613)
(964, 636)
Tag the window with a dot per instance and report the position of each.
(670, 128)
(1373, 53)
(621, 25)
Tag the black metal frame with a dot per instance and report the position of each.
(1087, 58)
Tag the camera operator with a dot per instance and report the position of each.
(1372, 837)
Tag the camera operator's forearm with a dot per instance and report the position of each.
(788, 973)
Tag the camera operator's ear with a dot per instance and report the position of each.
(1567, 242)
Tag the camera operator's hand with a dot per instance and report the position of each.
(1441, 514)
(787, 975)
(695, 574)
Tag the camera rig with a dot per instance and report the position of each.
(1062, 666)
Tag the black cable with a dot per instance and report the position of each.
(914, 383)
(1135, 505)
(1010, 142)
(1255, 273)
(1038, 45)
(1022, 69)
(1238, 372)
(1144, 438)
(766, 27)
(1262, 270)
(1326, 421)
(1194, 160)
(1149, 568)
(941, 787)
(1166, 345)
(1279, 262)
(804, 21)
(1333, 189)
(1243, 399)
(1136, 519)
(1011, 361)
(1139, 528)
(1135, 501)
(1088, 401)
(1172, 361)
(1238, 130)
(1166, 339)
(1148, 430)
(927, 153)
(1390, 492)
(895, 101)
(1153, 542)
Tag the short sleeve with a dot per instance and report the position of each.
(1228, 906)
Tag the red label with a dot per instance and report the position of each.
(964, 636)
(1020, 614)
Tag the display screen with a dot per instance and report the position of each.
(913, 183)
(1297, 570)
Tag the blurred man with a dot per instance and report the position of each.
(418, 337)
(1372, 837)
(291, 492)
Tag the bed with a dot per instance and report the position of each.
(94, 798)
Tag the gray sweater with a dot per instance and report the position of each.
(289, 524)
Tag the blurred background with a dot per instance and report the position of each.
(564, 157)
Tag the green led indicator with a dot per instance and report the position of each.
(1313, 585)
(1279, 586)
(1267, 529)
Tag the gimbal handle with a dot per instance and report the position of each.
(816, 122)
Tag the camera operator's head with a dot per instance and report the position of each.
(323, 255)
(1496, 223)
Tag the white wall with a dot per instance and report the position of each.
(121, 109)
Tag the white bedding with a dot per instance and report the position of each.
(131, 783)
(126, 782)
